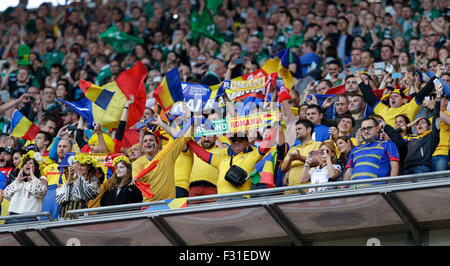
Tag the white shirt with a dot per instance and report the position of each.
(26, 197)
(320, 175)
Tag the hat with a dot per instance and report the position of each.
(23, 53)
(332, 22)
(8, 150)
(32, 147)
(67, 110)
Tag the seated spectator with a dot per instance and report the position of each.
(326, 171)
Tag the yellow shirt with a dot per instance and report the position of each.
(51, 172)
(297, 166)
(202, 171)
(246, 161)
(162, 177)
(444, 139)
(183, 167)
(410, 110)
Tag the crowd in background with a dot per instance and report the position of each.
(369, 100)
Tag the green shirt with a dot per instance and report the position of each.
(296, 40)
(52, 58)
(102, 74)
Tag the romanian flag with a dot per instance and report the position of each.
(22, 127)
(169, 91)
(169, 204)
(265, 170)
(280, 63)
(109, 100)
(336, 90)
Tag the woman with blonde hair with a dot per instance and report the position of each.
(118, 189)
(326, 171)
(81, 186)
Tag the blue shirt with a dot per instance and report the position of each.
(3, 183)
(372, 160)
(321, 133)
(306, 61)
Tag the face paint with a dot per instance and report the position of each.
(153, 145)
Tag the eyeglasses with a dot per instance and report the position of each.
(366, 128)
(430, 35)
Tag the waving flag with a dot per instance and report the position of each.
(264, 170)
(203, 24)
(22, 127)
(120, 41)
(169, 91)
(109, 100)
(280, 63)
(82, 107)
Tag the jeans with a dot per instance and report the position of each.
(418, 169)
(439, 162)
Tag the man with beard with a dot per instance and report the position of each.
(203, 178)
(295, 160)
(375, 158)
(5, 160)
(53, 55)
(162, 177)
(359, 110)
(52, 172)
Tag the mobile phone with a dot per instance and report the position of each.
(31, 99)
(239, 61)
(427, 98)
(71, 128)
(379, 65)
(397, 75)
(437, 83)
(335, 99)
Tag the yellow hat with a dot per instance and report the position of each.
(108, 141)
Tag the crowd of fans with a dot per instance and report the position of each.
(391, 116)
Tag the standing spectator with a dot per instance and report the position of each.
(295, 160)
(27, 192)
(203, 178)
(421, 147)
(82, 185)
(52, 55)
(314, 113)
(373, 159)
(118, 189)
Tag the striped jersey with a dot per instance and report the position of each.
(372, 160)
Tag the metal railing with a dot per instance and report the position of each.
(266, 192)
(213, 199)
